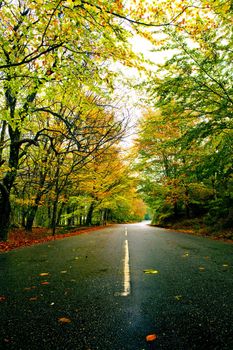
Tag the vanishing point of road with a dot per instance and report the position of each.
(109, 289)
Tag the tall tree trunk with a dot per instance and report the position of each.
(32, 212)
(31, 217)
(89, 214)
(2, 138)
(54, 214)
(187, 207)
(5, 211)
(175, 209)
(59, 214)
(13, 161)
(7, 183)
(23, 217)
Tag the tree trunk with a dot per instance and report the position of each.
(187, 208)
(89, 214)
(2, 138)
(30, 218)
(175, 208)
(23, 217)
(60, 213)
(54, 214)
(5, 211)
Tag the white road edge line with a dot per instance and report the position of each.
(126, 232)
(126, 271)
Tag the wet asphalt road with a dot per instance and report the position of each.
(77, 302)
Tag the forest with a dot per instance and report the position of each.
(65, 118)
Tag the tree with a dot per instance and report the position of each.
(193, 89)
(47, 46)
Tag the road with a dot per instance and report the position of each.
(92, 292)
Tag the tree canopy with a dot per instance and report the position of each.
(185, 142)
(60, 125)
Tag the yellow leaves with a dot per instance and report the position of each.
(178, 297)
(151, 272)
(64, 320)
(201, 268)
(185, 255)
(44, 273)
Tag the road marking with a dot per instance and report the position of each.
(126, 232)
(126, 271)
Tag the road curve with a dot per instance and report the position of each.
(111, 288)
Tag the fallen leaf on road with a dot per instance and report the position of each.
(44, 273)
(33, 298)
(150, 271)
(2, 298)
(30, 288)
(151, 337)
(44, 283)
(185, 255)
(64, 320)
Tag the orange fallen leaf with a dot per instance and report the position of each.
(33, 298)
(44, 273)
(44, 283)
(2, 298)
(64, 320)
(30, 288)
(151, 337)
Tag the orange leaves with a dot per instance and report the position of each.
(151, 337)
(2, 298)
(29, 288)
(64, 320)
(44, 283)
